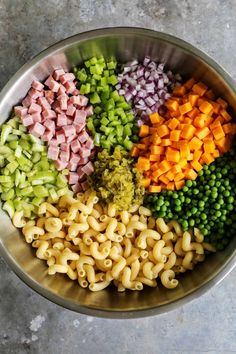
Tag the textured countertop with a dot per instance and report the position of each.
(28, 322)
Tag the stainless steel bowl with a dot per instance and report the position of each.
(124, 44)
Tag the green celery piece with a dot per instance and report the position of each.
(8, 195)
(127, 130)
(112, 80)
(94, 98)
(53, 195)
(5, 179)
(93, 61)
(37, 201)
(127, 144)
(61, 181)
(8, 206)
(104, 121)
(12, 166)
(25, 144)
(11, 137)
(106, 145)
(38, 148)
(45, 176)
(23, 161)
(27, 154)
(111, 65)
(36, 157)
(5, 150)
(62, 191)
(17, 177)
(119, 130)
(18, 151)
(13, 144)
(40, 191)
(6, 130)
(97, 138)
(27, 191)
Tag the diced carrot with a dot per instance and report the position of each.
(179, 184)
(223, 144)
(170, 175)
(134, 151)
(179, 176)
(172, 155)
(179, 91)
(141, 146)
(155, 158)
(156, 140)
(190, 174)
(188, 131)
(155, 118)
(154, 189)
(157, 173)
(175, 135)
(142, 160)
(216, 107)
(190, 157)
(193, 113)
(144, 130)
(197, 154)
(152, 130)
(209, 146)
(162, 130)
(157, 150)
(195, 143)
(200, 121)
(164, 179)
(174, 114)
(170, 186)
(165, 142)
(146, 182)
(202, 133)
(165, 166)
(183, 163)
(193, 99)
(207, 158)
(187, 121)
(222, 102)
(184, 150)
(218, 133)
(176, 169)
(216, 123)
(200, 88)
(172, 105)
(205, 107)
(228, 128)
(189, 84)
(225, 115)
(216, 153)
(187, 107)
(173, 123)
(210, 94)
(196, 165)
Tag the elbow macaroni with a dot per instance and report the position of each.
(97, 245)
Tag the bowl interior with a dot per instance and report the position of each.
(123, 44)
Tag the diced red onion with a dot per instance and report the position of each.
(147, 86)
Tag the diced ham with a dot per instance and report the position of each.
(37, 85)
(75, 146)
(60, 137)
(83, 101)
(53, 142)
(72, 166)
(69, 130)
(70, 87)
(65, 156)
(50, 124)
(83, 161)
(56, 107)
(75, 100)
(85, 185)
(37, 129)
(43, 103)
(83, 136)
(27, 101)
(79, 127)
(73, 178)
(89, 144)
(54, 85)
(70, 138)
(20, 111)
(85, 153)
(48, 81)
(70, 110)
(66, 77)
(61, 120)
(53, 152)
(74, 158)
(63, 101)
(35, 94)
(27, 120)
(89, 111)
(60, 165)
(65, 147)
(37, 117)
(49, 96)
(88, 169)
(76, 92)
(62, 90)
(34, 107)
(57, 73)
(80, 173)
(49, 114)
(69, 121)
(79, 117)
(76, 188)
(47, 136)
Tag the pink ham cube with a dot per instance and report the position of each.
(70, 110)
(62, 90)
(67, 77)
(70, 138)
(34, 107)
(63, 101)
(53, 142)
(75, 100)
(89, 144)
(54, 85)
(27, 101)
(85, 185)
(35, 94)
(70, 87)
(65, 147)
(57, 73)
(43, 103)
(88, 169)
(60, 137)
(80, 173)
(65, 156)
(53, 152)
(73, 178)
(47, 136)
(76, 188)
(50, 124)
(79, 127)
(37, 129)
(37, 117)
(79, 117)
(49, 114)
(74, 158)
(83, 101)
(76, 92)
(83, 136)
(27, 120)
(49, 96)
(72, 166)
(60, 165)
(89, 111)
(69, 130)
(75, 146)
(20, 111)
(37, 85)
(83, 161)
(61, 120)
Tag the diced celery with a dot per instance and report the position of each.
(5, 179)
(63, 191)
(11, 137)
(40, 191)
(44, 176)
(18, 151)
(5, 150)
(8, 195)
(6, 130)
(37, 201)
(38, 148)
(53, 195)
(8, 206)
(12, 166)
(13, 144)
(61, 181)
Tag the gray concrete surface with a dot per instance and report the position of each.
(31, 324)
